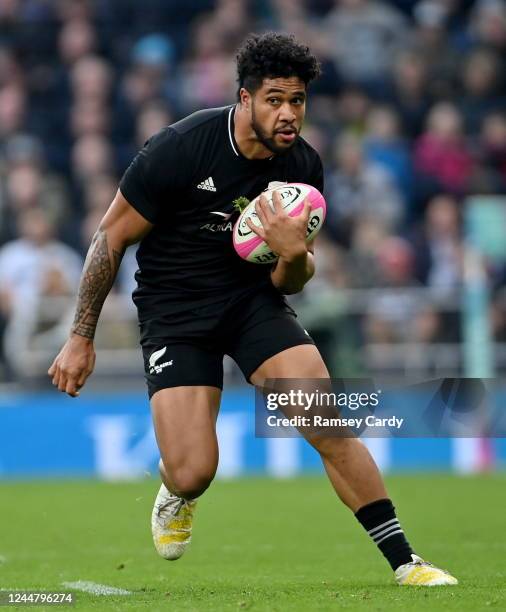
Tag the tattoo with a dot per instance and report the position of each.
(97, 278)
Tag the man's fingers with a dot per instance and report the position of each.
(72, 388)
(276, 202)
(62, 383)
(56, 376)
(260, 210)
(259, 231)
(306, 211)
(52, 369)
(269, 212)
(82, 379)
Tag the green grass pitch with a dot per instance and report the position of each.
(258, 544)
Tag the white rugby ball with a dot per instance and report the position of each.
(251, 247)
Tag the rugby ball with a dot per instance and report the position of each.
(251, 247)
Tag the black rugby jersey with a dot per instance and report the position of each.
(184, 181)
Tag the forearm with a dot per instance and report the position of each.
(290, 276)
(100, 269)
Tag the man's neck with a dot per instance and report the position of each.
(245, 137)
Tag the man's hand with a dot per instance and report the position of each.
(73, 364)
(285, 235)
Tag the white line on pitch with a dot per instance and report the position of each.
(94, 588)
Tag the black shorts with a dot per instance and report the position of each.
(188, 348)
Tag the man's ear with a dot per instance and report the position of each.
(245, 98)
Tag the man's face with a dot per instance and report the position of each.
(277, 111)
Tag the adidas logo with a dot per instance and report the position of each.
(208, 184)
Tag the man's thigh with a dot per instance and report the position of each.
(184, 383)
(299, 369)
(298, 362)
(184, 419)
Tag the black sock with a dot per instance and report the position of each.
(380, 522)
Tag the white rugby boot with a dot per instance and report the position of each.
(421, 573)
(171, 524)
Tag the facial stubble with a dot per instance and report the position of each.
(263, 138)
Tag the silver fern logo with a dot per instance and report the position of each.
(153, 367)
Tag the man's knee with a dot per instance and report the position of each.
(189, 481)
(332, 446)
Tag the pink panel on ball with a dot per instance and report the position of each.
(316, 199)
(245, 248)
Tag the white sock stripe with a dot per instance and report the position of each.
(388, 535)
(380, 534)
(379, 527)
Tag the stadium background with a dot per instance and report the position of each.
(409, 118)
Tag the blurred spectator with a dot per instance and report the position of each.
(430, 40)
(232, 17)
(36, 264)
(492, 144)
(352, 107)
(362, 36)
(396, 314)
(149, 77)
(68, 10)
(12, 109)
(92, 80)
(77, 39)
(316, 137)
(154, 116)
(32, 267)
(439, 263)
(208, 73)
(92, 155)
(99, 192)
(481, 84)
(384, 144)
(487, 23)
(89, 117)
(362, 257)
(10, 70)
(441, 153)
(27, 184)
(438, 247)
(357, 189)
(330, 271)
(409, 93)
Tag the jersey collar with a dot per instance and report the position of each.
(231, 137)
(233, 142)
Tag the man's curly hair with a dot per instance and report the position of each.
(273, 55)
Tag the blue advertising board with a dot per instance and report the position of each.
(110, 436)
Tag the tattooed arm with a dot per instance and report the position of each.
(121, 226)
(99, 271)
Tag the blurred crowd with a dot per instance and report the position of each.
(409, 118)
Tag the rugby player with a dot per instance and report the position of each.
(197, 300)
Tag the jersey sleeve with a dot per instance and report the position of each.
(156, 172)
